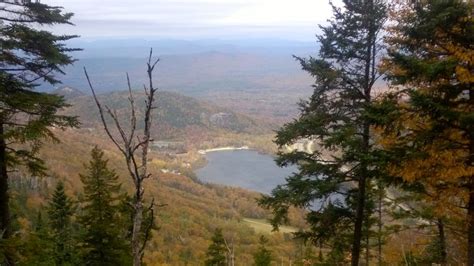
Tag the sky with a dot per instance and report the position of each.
(195, 19)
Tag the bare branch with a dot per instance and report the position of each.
(137, 167)
(114, 116)
(152, 66)
(101, 113)
(133, 118)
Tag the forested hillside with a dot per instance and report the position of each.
(180, 118)
(176, 112)
(191, 211)
(263, 84)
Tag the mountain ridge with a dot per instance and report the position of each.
(177, 117)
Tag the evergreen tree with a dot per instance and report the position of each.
(39, 246)
(427, 118)
(29, 55)
(60, 211)
(332, 181)
(104, 237)
(263, 256)
(216, 253)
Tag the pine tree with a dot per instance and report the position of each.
(39, 244)
(216, 253)
(104, 237)
(60, 211)
(29, 55)
(427, 118)
(335, 177)
(263, 256)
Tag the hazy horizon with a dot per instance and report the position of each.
(195, 19)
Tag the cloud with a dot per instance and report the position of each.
(194, 18)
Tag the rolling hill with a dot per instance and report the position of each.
(259, 78)
(176, 117)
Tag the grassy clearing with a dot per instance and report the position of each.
(262, 226)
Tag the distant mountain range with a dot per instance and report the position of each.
(259, 78)
(138, 48)
(192, 67)
(194, 74)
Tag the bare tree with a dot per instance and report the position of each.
(230, 256)
(134, 148)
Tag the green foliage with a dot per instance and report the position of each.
(32, 241)
(104, 227)
(432, 253)
(36, 52)
(216, 253)
(427, 118)
(263, 256)
(331, 182)
(39, 246)
(28, 56)
(60, 211)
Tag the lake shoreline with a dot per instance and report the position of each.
(228, 148)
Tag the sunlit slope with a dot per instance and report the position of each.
(191, 210)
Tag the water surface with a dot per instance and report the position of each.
(243, 168)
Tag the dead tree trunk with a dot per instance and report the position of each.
(134, 148)
(230, 253)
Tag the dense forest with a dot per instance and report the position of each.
(389, 182)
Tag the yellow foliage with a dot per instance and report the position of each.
(191, 212)
(25, 225)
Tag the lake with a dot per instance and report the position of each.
(243, 168)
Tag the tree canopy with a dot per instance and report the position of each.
(30, 55)
(333, 181)
(102, 219)
(426, 120)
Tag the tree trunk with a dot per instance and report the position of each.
(5, 222)
(367, 247)
(470, 206)
(360, 206)
(365, 141)
(230, 253)
(379, 235)
(137, 226)
(442, 242)
(358, 222)
(470, 230)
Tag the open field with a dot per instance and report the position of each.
(262, 226)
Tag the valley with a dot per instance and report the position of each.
(192, 208)
(197, 197)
